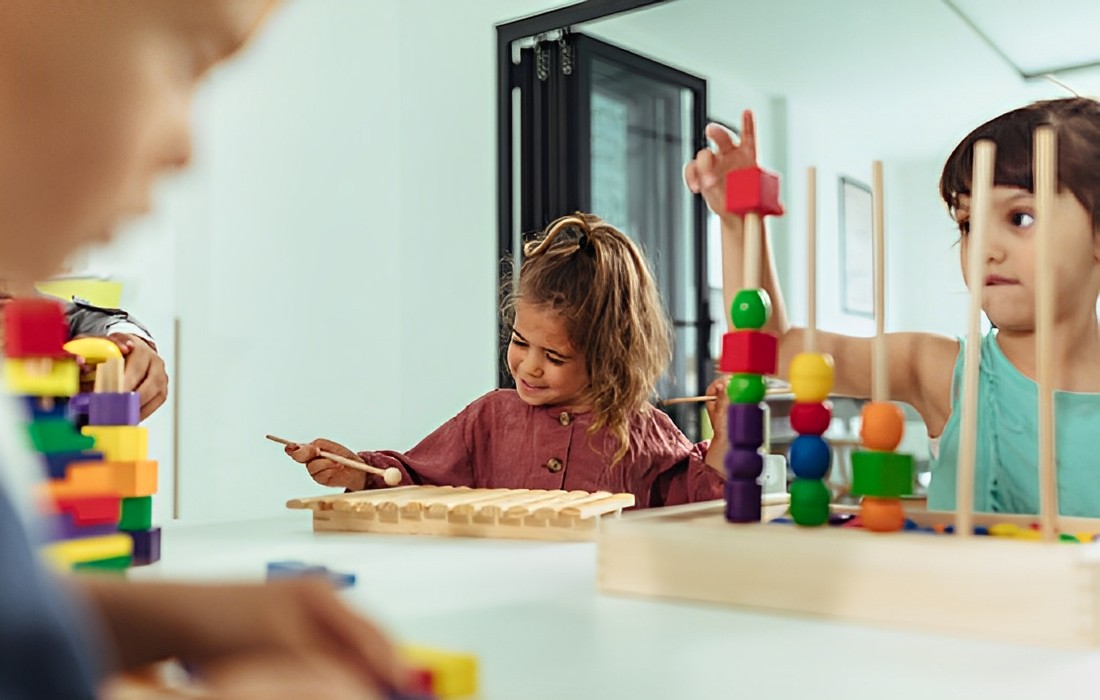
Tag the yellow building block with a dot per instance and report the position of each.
(120, 443)
(63, 555)
(454, 674)
(41, 377)
(93, 350)
(134, 478)
(83, 479)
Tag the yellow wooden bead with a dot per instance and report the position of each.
(811, 377)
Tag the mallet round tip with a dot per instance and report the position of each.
(392, 476)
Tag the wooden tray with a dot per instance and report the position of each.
(989, 587)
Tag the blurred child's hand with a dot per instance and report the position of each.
(145, 372)
(706, 174)
(325, 471)
(716, 411)
(234, 636)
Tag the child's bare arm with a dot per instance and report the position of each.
(921, 364)
(292, 626)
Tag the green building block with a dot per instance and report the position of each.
(51, 435)
(112, 564)
(137, 514)
(881, 474)
(750, 309)
(746, 388)
(809, 502)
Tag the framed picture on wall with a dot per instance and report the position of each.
(856, 262)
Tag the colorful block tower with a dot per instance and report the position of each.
(86, 495)
(748, 352)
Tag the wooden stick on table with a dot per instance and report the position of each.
(392, 475)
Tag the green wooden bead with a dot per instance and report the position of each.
(881, 474)
(746, 388)
(751, 309)
(809, 502)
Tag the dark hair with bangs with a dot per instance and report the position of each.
(1077, 122)
(601, 284)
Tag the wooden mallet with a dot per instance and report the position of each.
(392, 475)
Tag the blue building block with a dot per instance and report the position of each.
(293, 569)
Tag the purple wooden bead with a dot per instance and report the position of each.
(61, 526)
(114, 409)
(146, 546)
(743, 464)
(745, 425)
(743, 500)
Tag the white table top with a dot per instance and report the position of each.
(531, 613)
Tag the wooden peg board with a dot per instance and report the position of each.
(465, 512)
(989, 587)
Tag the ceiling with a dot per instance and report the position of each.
(911, 76)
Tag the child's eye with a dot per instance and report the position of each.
(1022, 219)
(555, 361)
(517, 341)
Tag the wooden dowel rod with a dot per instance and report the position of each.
(1045, 176)
(880, 388)
(811, 260)
(754, 232)
(980, 197)
(391, 475)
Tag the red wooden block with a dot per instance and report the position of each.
(35, 328)
(92, 510)
(748, 352)
(753, 191)
(811, 418)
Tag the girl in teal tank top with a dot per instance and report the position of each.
(925, 369)
(1006, 465)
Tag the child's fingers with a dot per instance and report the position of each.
(748, 134)
(335, 448)
(691, 177)
(721, 137)
(705, 165)
(302, 453)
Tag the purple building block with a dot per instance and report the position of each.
(62, 526)
(114, 409)
(745, 425)
(57, 463)
(743, 464)
(146, 546)
(743, 500)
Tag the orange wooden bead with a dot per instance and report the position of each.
(883, 425)
(882, 514)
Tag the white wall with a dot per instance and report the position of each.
(343, 283)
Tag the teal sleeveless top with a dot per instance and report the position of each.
(1006, 467)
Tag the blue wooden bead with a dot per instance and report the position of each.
(809, 456)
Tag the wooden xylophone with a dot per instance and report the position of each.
(466, 512)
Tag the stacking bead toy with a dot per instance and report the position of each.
(811, 377)
(879, 474)
(748, 352)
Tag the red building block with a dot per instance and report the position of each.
(748, 352)
(35, 328)
(753, 191)
(91, 510)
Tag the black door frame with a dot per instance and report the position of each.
(509, 76)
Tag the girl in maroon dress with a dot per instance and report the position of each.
(589, 340)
